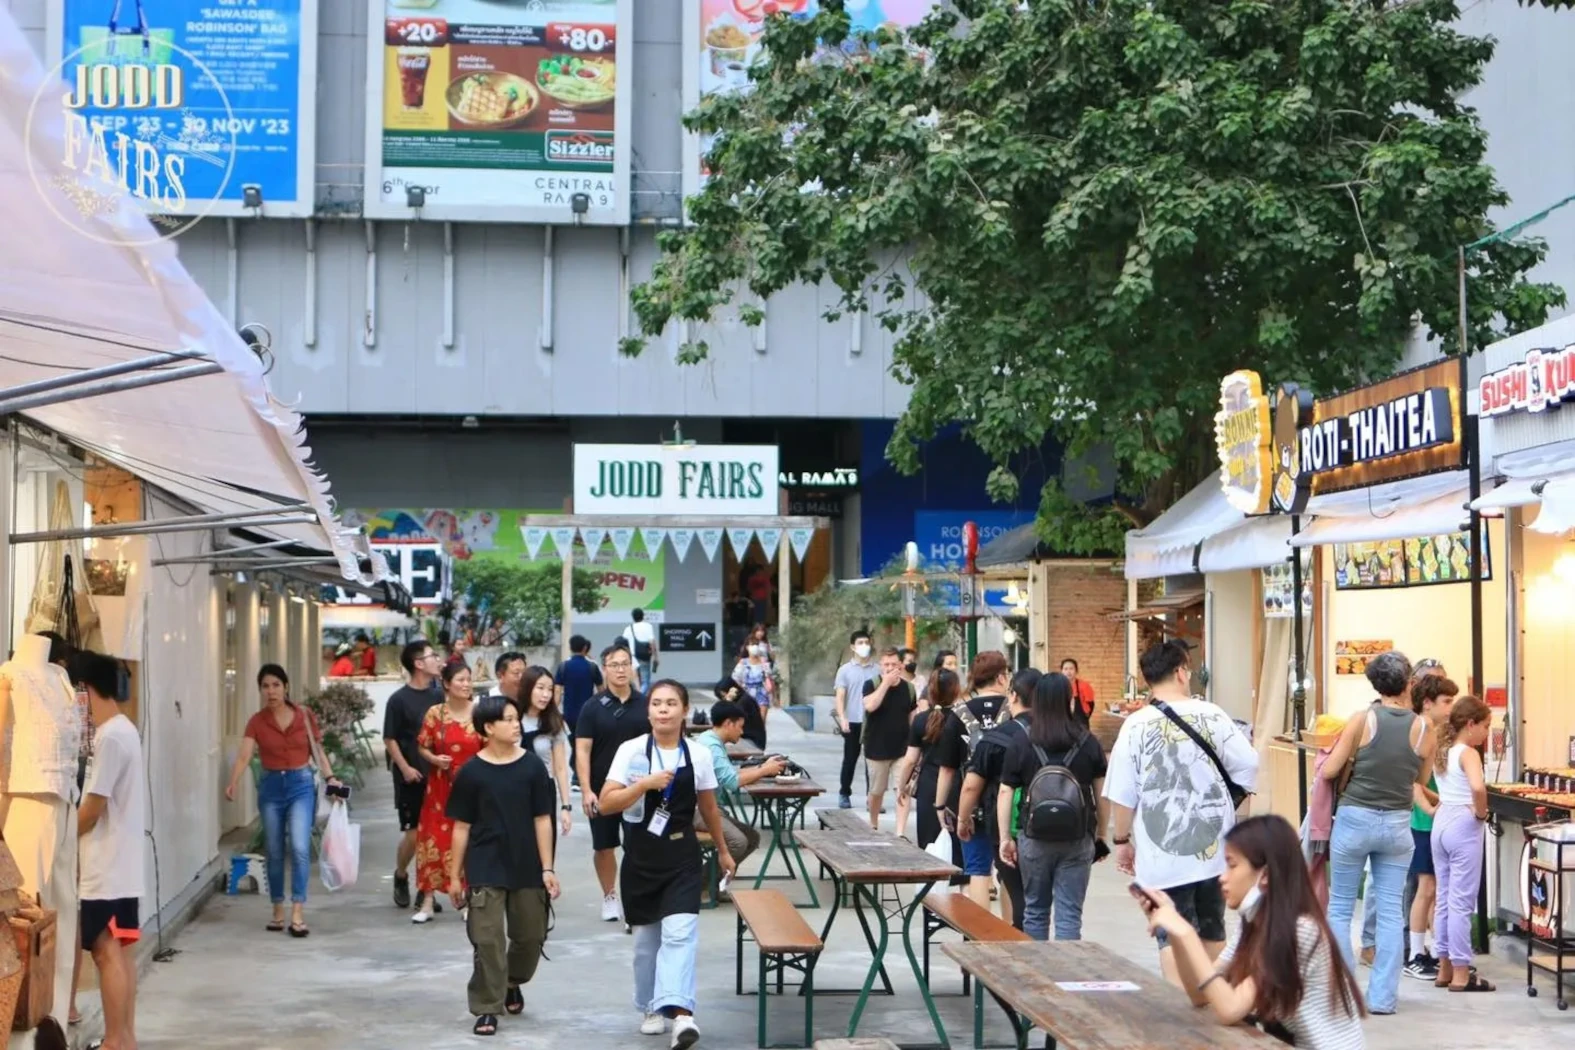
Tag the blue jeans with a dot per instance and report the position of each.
(979, 855)
(1054, 873)
(1381, 838)
(288, 801)
(664, 964)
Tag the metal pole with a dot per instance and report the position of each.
(281, 563)
(189, 523)
(1471, 439)
(106, 386)
(223, 554)
(88, 375)
(1299, 663)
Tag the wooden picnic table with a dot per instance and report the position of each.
(866, 860)
(743, 752)
(783, 802)
(1030, 977)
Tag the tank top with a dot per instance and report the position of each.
(1454, 789)
(1387, 765)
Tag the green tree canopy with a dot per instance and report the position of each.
(526, 596)
(1076, 216)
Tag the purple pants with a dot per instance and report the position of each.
(1457, 863)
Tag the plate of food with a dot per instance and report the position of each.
(491, 100)
(578, 83)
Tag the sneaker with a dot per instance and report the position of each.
(421, 899)
(685, 1031)
(1367, 956)
(1423, 967)
(654, 1024)
(844, 802)
(421, 918)
(610, 908)
(401, 890)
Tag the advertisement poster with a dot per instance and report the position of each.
(1416, 562)
(499, 111)
(228, 98)
(462, 534)
(1279, 585)
(725, 35)
(1350, 658)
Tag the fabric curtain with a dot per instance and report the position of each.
(1274, 704)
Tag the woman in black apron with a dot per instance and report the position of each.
(659, 784)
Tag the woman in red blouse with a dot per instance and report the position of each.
(448, 739)
(286, 740)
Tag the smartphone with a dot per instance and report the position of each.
(338, 791)
(726, 881)
(1143, 896)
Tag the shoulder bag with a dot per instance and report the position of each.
(1238, 794)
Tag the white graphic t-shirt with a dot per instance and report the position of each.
(1183, 807)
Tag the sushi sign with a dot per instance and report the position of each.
(1545, 379)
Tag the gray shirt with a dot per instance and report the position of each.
(851, 676)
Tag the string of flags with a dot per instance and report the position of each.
(591, 539)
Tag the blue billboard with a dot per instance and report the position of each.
(939, 532)
(191, 101)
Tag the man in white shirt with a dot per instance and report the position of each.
(1170, 798)
(641, 637)
(111, 827)
(849, 705)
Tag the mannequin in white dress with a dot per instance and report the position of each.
(39, 734)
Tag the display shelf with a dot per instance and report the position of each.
(1513, 806)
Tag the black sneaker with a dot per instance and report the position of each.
(1422, 967)
(401, 890)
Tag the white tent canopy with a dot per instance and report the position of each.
(1170, 544)
(102, 290)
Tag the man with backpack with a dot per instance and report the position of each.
(977, 808)
(1050, 782)
(641, 637)
(991, 679)
(1185, 767)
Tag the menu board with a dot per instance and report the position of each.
(726, 34)
(233, 100)
(503, 112)
(1414, 562)
(1279, 586)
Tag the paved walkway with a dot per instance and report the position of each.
(369, 980)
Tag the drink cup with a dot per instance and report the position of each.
(413, 65)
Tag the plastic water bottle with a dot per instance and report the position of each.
(639, 768)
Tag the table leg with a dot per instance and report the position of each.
(840, 889)
(876, 962)
(798, 854)
(913, 961)
(771, 848)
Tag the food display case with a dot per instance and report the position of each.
(1551, 791)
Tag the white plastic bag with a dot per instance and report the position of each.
(341, 851)
(941, 848)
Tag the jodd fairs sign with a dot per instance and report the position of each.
(735, 480)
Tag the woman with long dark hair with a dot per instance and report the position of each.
(1282, 971)
(1055, 845)
(448, 739)
(287, 741)
(544, 732)
(925, 735)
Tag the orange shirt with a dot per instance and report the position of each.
(1085, 694)
(343, 667)
(281, 749)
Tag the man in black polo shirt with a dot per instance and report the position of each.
(402, 718)
(616, 715)
(976, 808)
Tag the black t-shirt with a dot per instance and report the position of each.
(886, 727)
(1086, 761)
(402, 718)
(501, 804)
(953, 745)
(607, 724)
(929, 768)
(989, 757)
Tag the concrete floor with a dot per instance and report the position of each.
(369, 980)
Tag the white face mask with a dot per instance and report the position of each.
(1251, 900)
(862, 651)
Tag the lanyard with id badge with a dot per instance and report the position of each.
(658, 822)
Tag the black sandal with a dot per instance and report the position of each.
(275, 926)
(514, 1001)
(1475, 983)
(486, 1024)
(298, 929)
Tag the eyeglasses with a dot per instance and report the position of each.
(618, 665)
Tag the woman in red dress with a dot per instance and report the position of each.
(447, 740)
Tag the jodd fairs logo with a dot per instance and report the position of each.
(130, 133)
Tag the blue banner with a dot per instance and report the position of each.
(220, 104)
(939, 532)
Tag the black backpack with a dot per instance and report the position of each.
(1056, 805)
(642, 650)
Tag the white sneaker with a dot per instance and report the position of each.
(685, 1031)
(654, 1024)
(610, 911)
(421, 917)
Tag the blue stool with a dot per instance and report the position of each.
(247, 865)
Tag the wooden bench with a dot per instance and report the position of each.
(957, 911)
(866, 1043)
(785, 942)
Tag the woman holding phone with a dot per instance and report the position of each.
(925, 734)
(1282, 972)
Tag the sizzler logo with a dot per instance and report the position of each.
(580, 147)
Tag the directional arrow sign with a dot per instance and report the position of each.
(688, 638)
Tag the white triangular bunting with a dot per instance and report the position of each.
(621, 539)
(710, 540)
(652, 539)
(740, 539)
(770, 540)
(563, 541)
(535, 536)
(681, 539)
(800, 538)
(593, 541)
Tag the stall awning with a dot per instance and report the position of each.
(102, 290)
(1557, 515)
(1254, 544)
(1204, 533)
(1433, 517)
(1514, 492)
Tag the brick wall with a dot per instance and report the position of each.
(1079, 599)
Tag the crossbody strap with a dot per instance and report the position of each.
(1197, 738)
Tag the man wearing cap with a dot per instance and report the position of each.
(344, 666)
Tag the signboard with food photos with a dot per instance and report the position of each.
(486, 112)
(1415, 562)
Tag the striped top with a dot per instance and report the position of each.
(1320, 1022)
